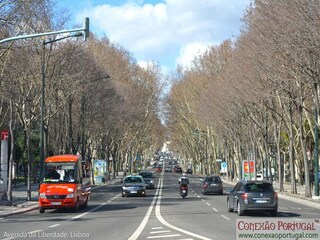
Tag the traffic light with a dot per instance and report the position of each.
(86, 28)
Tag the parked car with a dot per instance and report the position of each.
(212, 184)
(148, 179)
(133, 185)
(177, 169)
(168, 169)
(189, 171)
(253, 195)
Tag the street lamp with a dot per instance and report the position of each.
(43, 71)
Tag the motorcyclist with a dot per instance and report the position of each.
(183, 181)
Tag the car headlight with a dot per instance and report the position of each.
(42, 195)
(70, 195)
(151, 181)
(124, 188)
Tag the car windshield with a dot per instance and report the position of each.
(132, 180)
(214, 179)
(258, 187)
(146, 175)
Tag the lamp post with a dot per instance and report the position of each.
(42, 107)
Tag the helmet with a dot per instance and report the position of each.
(183, 174)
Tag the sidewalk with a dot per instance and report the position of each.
(19, 198)
(287, 195)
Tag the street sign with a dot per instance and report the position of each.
(223, 168)
(4, 135)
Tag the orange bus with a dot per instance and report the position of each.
(63, 184)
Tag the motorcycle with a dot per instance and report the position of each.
(184, 191)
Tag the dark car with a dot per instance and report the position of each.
(133, 185)
(168, 169)
(253, 195)
(212, 184)
(189, 171)
(148, 179)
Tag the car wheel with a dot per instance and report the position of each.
(274, 213)
(221, 192)
(41, 210)
(239, 209)
(229, 206)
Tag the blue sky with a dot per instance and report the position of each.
(170, 32)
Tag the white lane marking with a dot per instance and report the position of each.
(198, 196)
(1, 218)
(164, 222)
(165, 236)
(214, 209)
(85, 213)
(208, 204)
(157, 228)
(225, 217)
(55, 225)
(202, 200)
(298, 219)
(144, 222)
(164, 231)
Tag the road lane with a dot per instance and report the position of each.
(108, 214)
(163, 214)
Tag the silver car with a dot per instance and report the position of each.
(133, 185)
(212, 184)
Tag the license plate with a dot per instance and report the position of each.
(133, 191)
(261, 201)
(55, 203)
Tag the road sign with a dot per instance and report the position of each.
(4, 135)
(223, 168)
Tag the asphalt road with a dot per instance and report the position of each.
(163, 214)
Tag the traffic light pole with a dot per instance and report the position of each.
(85, 31)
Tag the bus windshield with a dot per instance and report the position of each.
(60, 172)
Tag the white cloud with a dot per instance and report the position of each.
(189, 51)
(175, 29)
